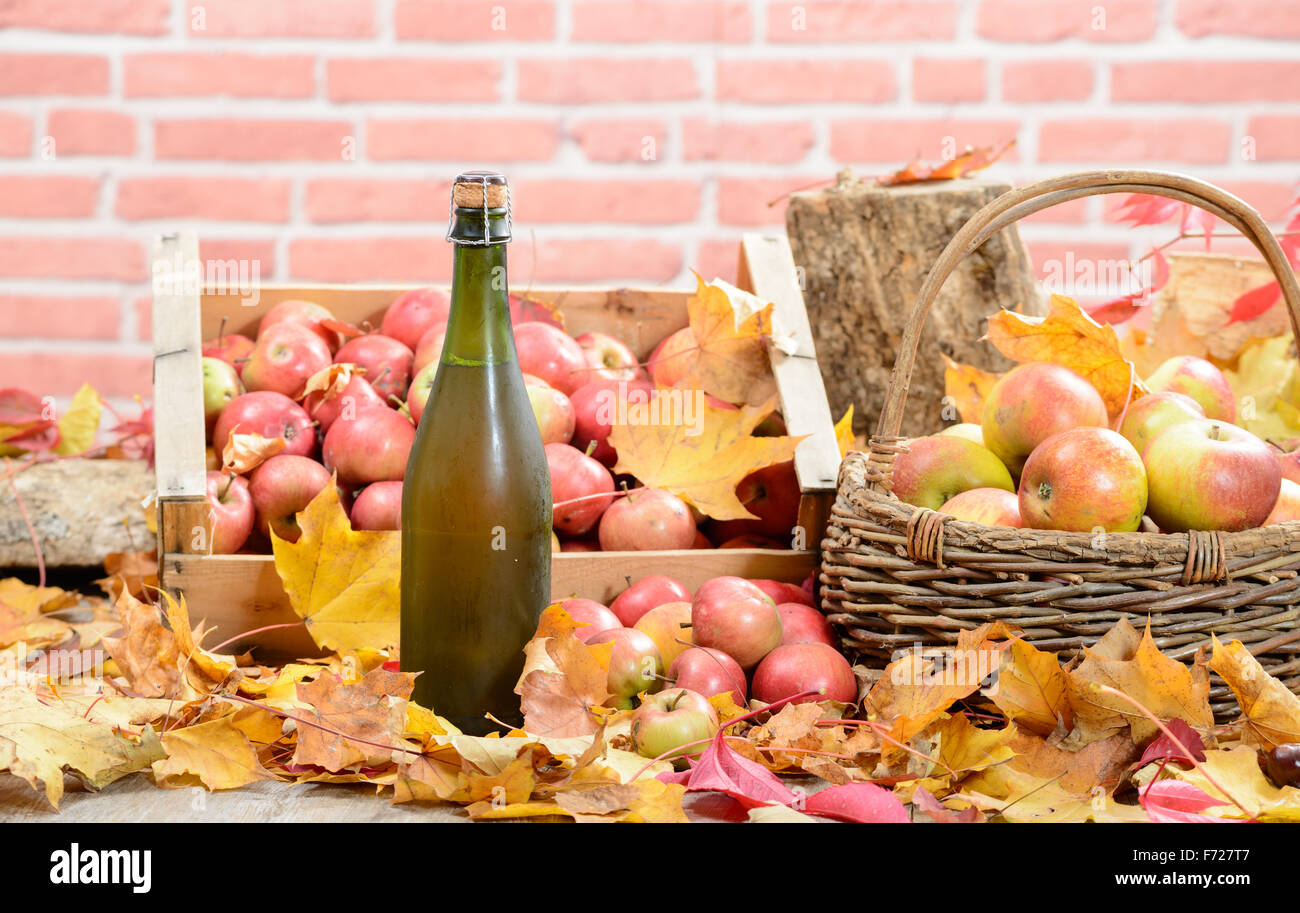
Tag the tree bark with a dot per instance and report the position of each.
(864, 251)
(82, 511)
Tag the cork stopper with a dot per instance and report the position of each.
(469, 188)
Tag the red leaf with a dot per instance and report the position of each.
(40, 436)
(1118, 310)
(1164, 747)
(862, 803)
(940, 813)
(1198, 217)
(1148, 209)
(524, 310)
(722, 770)
(19, 407)
(1178, 802)
(1255, 302)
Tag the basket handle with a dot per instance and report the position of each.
(1015, 205)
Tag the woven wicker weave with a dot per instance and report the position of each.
(894, 575)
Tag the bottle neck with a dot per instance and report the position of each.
(478, 328)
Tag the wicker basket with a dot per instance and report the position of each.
(894, 575)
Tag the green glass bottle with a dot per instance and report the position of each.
(476, 500)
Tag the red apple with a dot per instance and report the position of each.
(672, 358)
(592, 616)
(1200, 380)
(305, 314)
(1210, 475)
(937, 468)
(581, 489)
(280, 488)
(220, 386)
(1029, 404)
(412, 314)
(372, 447)
(772, 494)
(597, 405)
(701, 540)
(988, 506)
(417, 397)
(644, 595)
(732, 615)
(1152, 414)
(356, 396)
(609, 358)
(551, 354)
(1085, 479)
(647, 520)
(794, 668)
(579, 545)
(232, 348)
(634, 665)
(386, 361)
(709, 672)
(553, 411)
(670, 720)
(429, 349)
(802, 624)
(269, 414)
(378, 507)
(232, 512)
(669, 626)
(783, 592)
(1287, 508)
(285, 356)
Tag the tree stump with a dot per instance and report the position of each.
(80, 510)
(864, 251)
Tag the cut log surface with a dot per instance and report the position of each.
(80, 510)
(864, 251)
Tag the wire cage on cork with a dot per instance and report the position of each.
(894, 576)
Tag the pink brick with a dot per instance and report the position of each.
(280, 18)
(35, 257)
(82, 131)
(943, 80)
(785, 81)
(1047, 80)
(759, 201)
(1062, 253)
(61, 372)
(143, 308)
(1276, 137)
(1192, 140)
(661, 20)
(253, 140)
(55, 317)
(717, 260)
(1056, 20)
(15, 134)
(645, 202)
(370, 259)
(128, 17)
(1206, 80)
(862, 21)
(561, 262)
(1277, 19)
(898, 141)
(1274, 200)
(238, 199)
(371, 200)
(741, 141)
(53, 74)
(462, 140)
(611, 140)
(261, 251)
(412, 79)
(36, 196)
(1075, 212)
(224, 73)
(580, 81)
(475, 20)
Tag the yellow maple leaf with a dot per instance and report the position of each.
(1237, 771)
(78, 425)
(30, 599)
(343, 584)
(1032, 690)
(702, 461)
(216, 754)
(730, 360)
(1069, 337)
(844, 432)
(1267, 384)
(1270, 711)
(967, 387)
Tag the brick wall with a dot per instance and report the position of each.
(642, 137)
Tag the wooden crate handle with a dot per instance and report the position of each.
(180, 468)
(1015, 205)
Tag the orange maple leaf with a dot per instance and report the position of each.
(564, 682)
(967, 387)
(245, 452)
(730, 361)
(973, 159)
(372, 712)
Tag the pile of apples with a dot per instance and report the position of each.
(704, 644)
(1043, 457)
(363, 430)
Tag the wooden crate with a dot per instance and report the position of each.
(241, 592)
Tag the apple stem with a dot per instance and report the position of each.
(221, 330)
(229, 482)
(591, 447)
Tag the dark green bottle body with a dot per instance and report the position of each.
(476, 504)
